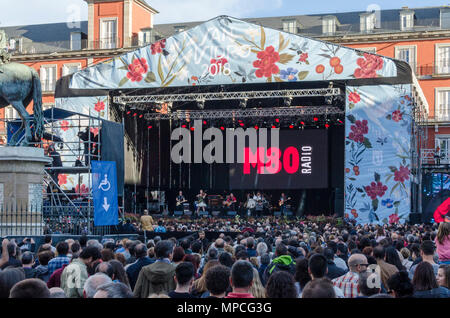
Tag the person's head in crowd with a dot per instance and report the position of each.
(405, 253)
(200, 284)
(367, 284)
(250, 243)
(178, 254)
(219, 243)
(281, 285)
(194, 259)
(30, 288)
(196, 247)
(185, 244)
(48, 239)
(218, 281)
(241, 278)
(141, 250)
(427, 249)
(379, 252)
(164, 249)
(121, 258)
(45, 257)
(301, 272)
(443, 233)
(226, 259)
(184, 276)
(107, 254)
(424, 278)
(319, 288)
(119, 273)
(75, 249)
(89, 255)
(400, 286)
(83, 241)
(317, 266)
(8, 278)
(357, 263)
(12, 248)
(57, 292)
(91, 284)
(280, 250)
(257, 290)
(27, 259)
(329, 254)
(105, 268)
(368, 251)
(443, 276)
(265, 259)
(213, 254)
(62, 248)
(157, 239)
(261, 248)
(242, 255)
(113, 290)
(415, 251)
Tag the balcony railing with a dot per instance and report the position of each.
(429, 157)
(48, 85)
(442, 113)
(440, 68)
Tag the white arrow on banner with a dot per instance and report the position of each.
(105, 204)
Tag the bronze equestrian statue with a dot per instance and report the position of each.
(19, 85)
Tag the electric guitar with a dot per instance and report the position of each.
(282, 202)
(181, 202)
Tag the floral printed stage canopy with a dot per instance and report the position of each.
(230, 51)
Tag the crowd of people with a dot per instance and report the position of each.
(265, 258)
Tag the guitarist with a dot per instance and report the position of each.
(282, 202)
(180, 199)
(230, 202)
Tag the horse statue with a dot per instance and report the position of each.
(19, 85)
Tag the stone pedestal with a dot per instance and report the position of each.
(21, 186)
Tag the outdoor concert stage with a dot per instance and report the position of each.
(347, 121)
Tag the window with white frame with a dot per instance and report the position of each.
(11, 113)
(442, 105)
(70, 68)
(108, 33)
(443, 59)
(367, 22)
(75, 41)
(290, 26)
(145, 37)
(48, 74)
(443, 142)
(329, 25)
(406, 20)
(406, 54)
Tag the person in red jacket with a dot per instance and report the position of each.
(442, 213)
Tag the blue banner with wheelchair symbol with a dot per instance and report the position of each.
(104, 189)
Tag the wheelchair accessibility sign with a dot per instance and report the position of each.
(106, 211)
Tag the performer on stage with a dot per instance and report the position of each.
(259, 199)
(282, 202)
(250, 204)
(180, 199)
(201, 201)
(230, 202)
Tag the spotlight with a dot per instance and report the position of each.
(201, 104)
(222, 128)
(134, 115)
(277, 120)
(140, 116)
(291, 126)
(288, 101)
(150, 127)
(204, 122)
(327, 126)
(192, 128)
(128, 112)
(256, 127)
(316, 119)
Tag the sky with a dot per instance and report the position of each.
(23, 12)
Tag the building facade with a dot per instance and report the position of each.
(419, 36)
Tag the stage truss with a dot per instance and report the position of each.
(317, 92)
(297, 111)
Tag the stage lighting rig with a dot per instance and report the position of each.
(288, 101)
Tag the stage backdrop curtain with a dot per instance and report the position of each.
(377, 150)
(225, 51)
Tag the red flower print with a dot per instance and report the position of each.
(94, 131)
(339, 69)
(320, 69)
(376, 189)
(368, 66)
(99, 106)
(303, 57)
(82, 191)
(64, 125)
(393, 219)
(62, 179)
(217, 64)
(158, 47)
(354, 213)
(358, 130)
(335, 61)
(401, 174)
(137, 69)
(354, 97)
(346, 215)
(397, 116)
(265, 64)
